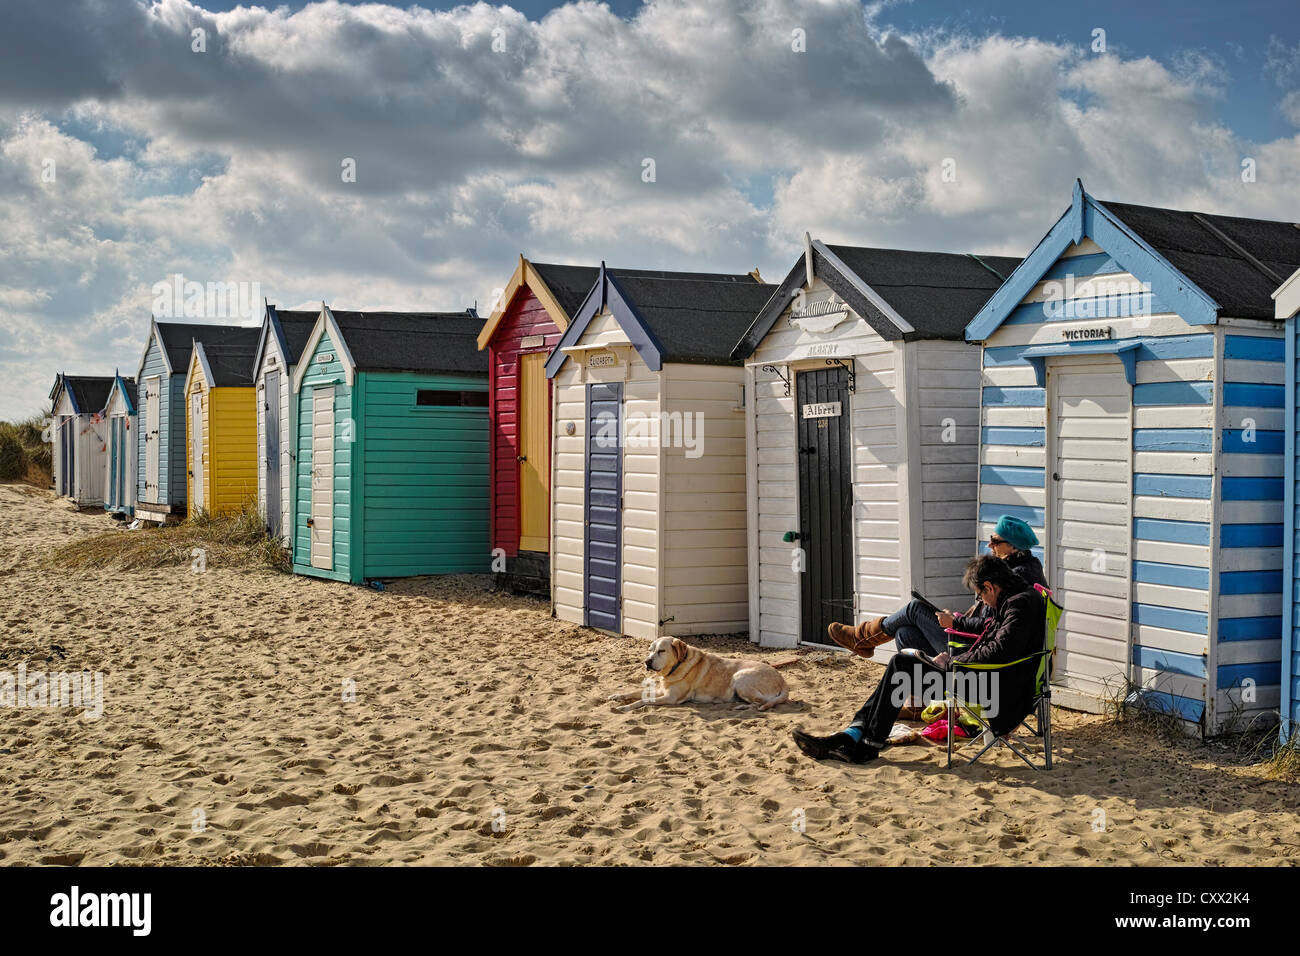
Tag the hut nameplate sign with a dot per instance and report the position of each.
(601, 360)
(532, 341)
(325, 358)
(822, 410)
(1088, 334)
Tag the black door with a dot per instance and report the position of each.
(825, 455)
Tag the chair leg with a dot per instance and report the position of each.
(1045, 721)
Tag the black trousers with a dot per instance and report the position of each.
(905, 677)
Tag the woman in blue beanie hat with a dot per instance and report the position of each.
(915, 625)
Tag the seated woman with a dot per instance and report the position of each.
(915, 625)
(1015, 630)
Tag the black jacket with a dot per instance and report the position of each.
(1015, 630)
(1024, 564)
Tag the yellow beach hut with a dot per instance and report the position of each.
(221, 425)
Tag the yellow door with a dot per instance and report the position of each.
(534, 451)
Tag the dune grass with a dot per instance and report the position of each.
(236, 541)
(24, 455)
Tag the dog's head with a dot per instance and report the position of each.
(665, 652)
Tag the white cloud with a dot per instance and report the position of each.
(225, 165)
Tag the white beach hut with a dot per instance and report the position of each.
(648, 463)
(80, 437)
(862, 438)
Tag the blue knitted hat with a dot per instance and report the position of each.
(1016, 533)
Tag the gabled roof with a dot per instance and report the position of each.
(88, 393)
(176, 341)
(563, 288)
(1200, 265)
(228, 361)
(1286, 299)
(291, 330)
(126, 388)
(691, 317)
(428, 342)
(413, 341)
(900, 293)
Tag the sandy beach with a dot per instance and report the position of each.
(226, 740)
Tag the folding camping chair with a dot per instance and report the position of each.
(1040, 709)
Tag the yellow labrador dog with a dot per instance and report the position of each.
(689, 673)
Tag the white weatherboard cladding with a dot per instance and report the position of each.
(273, 361)
(914, 432)
(702, 540)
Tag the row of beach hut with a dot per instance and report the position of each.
(681, 453)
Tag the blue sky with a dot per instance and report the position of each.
(482, 132)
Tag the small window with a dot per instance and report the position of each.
(442, 396)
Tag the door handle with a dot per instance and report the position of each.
(1056, 476)
(521, 457)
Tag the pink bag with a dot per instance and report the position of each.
(939, 730)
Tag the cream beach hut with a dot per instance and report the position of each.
(648, 465)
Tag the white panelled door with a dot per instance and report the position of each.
(196, 449)
(152, 421)
(1089, 464)
(322, 478)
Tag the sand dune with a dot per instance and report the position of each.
(224, 695)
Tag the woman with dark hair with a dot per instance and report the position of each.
(914, 625)
(1013, 630)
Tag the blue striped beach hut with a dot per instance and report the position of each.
(1133, 412)
(1287, 307)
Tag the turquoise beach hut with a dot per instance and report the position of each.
(391, 465)
(1134, 408)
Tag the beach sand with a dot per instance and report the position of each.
(224, 705)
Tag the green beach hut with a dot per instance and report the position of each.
(391, 464)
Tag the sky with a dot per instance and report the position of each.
(704, 135)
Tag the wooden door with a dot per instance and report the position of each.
(604, 519)
(1089, 539)
(825, 456)
(152, 417)
(322, 478)
(533, 413)
(196, 452)
(274, 519)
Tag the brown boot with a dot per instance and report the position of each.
(861, 640)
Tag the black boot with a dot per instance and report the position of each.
(835, 747)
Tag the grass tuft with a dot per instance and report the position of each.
(235, 541)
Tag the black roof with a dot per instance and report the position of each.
(1190, 243)
(414, 341)
(697, 317)
(178, 339)
(231, 357)
(570, 284)
(937, 293)
(296, 327)
(89, 392)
